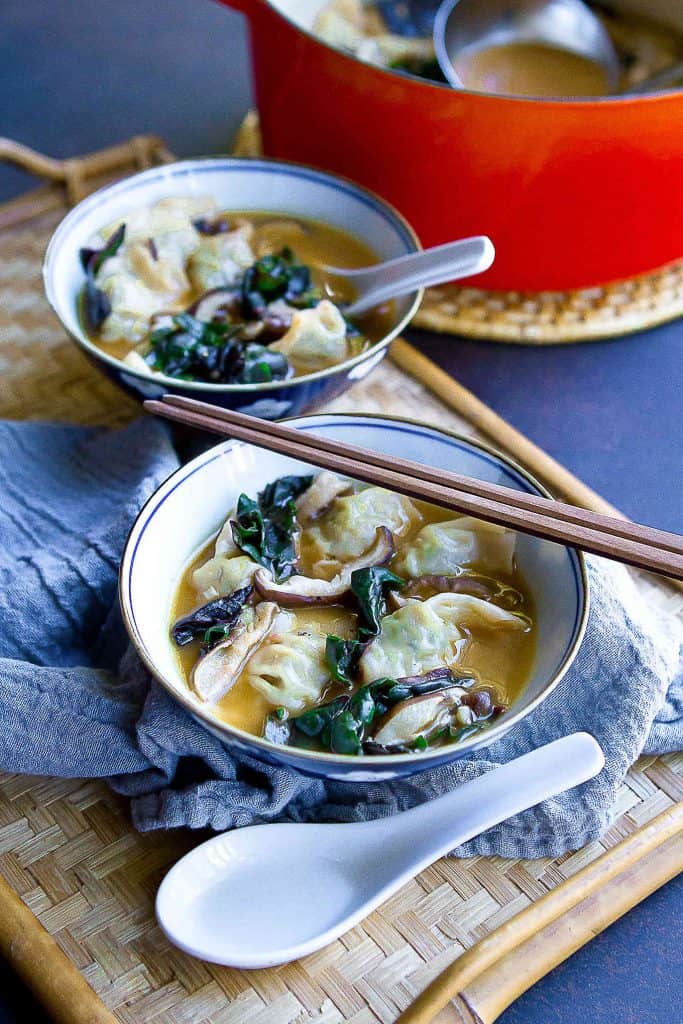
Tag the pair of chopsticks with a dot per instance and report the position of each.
(621, 540)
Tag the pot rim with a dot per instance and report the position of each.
(545, 101)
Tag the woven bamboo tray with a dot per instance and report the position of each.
(77, 883)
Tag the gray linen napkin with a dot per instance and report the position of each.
(75, 702)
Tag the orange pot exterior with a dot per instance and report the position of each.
(572, 193)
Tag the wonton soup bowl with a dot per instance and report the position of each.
(245, 185)
(192, 504)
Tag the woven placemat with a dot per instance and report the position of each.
(537, 318)
(68, 849)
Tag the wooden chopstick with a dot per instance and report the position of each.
(633, 544)
(495, 492)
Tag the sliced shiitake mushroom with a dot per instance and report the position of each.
(299, 591)
(218, 671)
(420, 716)
(218, 225)
(211, 303)
(314, 502)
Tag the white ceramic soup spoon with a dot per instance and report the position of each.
(268, 894)
(393, 278)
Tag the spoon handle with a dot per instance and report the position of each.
(406, 274)
(427, 832)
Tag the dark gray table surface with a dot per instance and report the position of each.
(77, 76)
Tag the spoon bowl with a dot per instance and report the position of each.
(569, 25)
(269, 894)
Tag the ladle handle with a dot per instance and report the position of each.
(406, 274)
(432, 829)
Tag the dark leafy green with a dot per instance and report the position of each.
(264, 529)
(275, 276)
(96, 305)
(369, 587)
(341, 726)
(213, 621)
(194, 350)
(342, 657)
(262, 364)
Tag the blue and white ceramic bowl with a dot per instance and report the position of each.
(192, 504)
(238, 185)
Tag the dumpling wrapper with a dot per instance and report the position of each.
(220, 260)
(316, 338)
(222, 575)
(290, 669)
(442, 548)
(422, 635)
(350, 527)
(138, 281)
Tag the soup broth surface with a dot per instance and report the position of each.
(530, 69)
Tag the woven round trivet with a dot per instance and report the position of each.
(537, 318)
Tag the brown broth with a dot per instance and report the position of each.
(315, 244)
(530, 69)
(499, 660)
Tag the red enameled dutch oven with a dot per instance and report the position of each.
(573, 193)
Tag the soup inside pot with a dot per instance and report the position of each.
(648, 38)
(529, 69)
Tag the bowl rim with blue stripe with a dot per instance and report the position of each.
(292, 190)
(555, 574)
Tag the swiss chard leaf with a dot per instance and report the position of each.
(194, 350)
(262, 364)
(264, 529)
(213, 621)
(341, 725)
(369, 587)
(96, 305)
(275, 276)
(279, 493)
(342, 657)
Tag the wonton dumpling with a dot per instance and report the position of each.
(350, 527)
(133, 304)
(316, 338)
(290, 669)
(422, 635)
(222, 575)
(220, 260)
(445, 547)
(168, 223)
(148, 271)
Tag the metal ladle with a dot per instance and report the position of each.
(563, 24)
